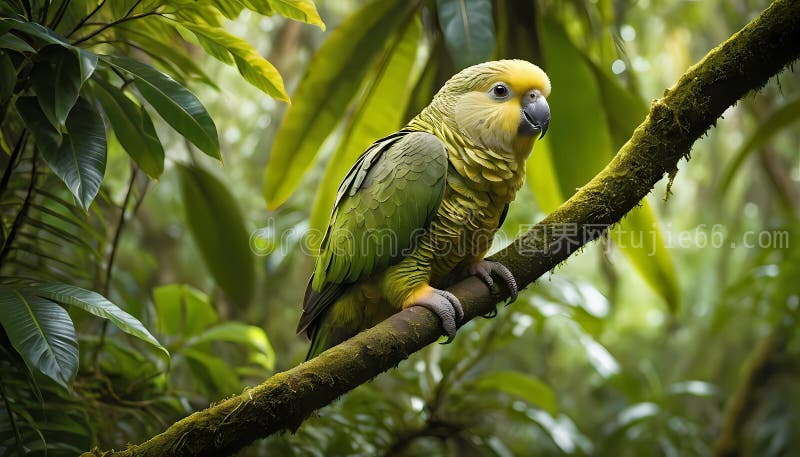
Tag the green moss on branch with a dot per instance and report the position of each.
(742, 63)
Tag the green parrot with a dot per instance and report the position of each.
(420, 207)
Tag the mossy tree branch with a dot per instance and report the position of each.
(742, 63)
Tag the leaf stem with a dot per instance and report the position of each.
(12, 419)
(23, 139)
(22, 214)
(62, 9)
(112, 24)
(45, 11)
(118, 230)
(89, 16)
(110, 263)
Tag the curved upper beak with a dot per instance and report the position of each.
(535, 115)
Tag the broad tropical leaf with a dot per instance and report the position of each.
(217, 226)
(133, 127)
(236, 332)
(80, 161)
(46, 137)
(8, 76)
(217, 375)
(42, 332)
(173, 102)
(11, 41)
(526, 387)
(468, 29)
(183, 310)
(56, 79)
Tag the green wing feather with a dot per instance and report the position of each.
(386, 200)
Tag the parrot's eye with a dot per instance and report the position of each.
(500, 91)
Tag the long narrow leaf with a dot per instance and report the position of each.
(96, 304)
(782, 117)
(299, 10)
(329, 85)
(576, 158)
(254, 68)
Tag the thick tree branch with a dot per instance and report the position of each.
(742, 63)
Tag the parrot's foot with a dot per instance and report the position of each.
(484, 270)
(446, 306)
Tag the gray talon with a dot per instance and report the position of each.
(454, 302)
(484, 270)
(447, 307)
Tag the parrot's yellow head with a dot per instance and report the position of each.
(500, 105)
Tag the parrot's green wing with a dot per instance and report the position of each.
(384, 203)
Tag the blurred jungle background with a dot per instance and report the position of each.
(157, 189)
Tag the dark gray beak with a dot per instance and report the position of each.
(535, 116)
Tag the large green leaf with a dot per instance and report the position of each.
(11, 41)
(323, 95)
(578, 134)
(133, 127)
(237, 332)
(652, 259)
(588, 126)
(183, 310)
(782, 117)
(56, 79)
(98, 305)
(526, 387)
(8, 78)
(542, 177)
(217, 226)
(176, 105)
(46, 137)
(423, 91)
(372, 119)
(42, 332)
(218, 376)
(299, 10)
(34, 30)
(468, 29)
(80, 161)
(87, 60)
(254, 68)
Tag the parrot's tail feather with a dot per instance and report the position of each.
(316, 303)
(317, 338)
(324, 337)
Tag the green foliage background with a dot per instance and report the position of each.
(155, 224)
